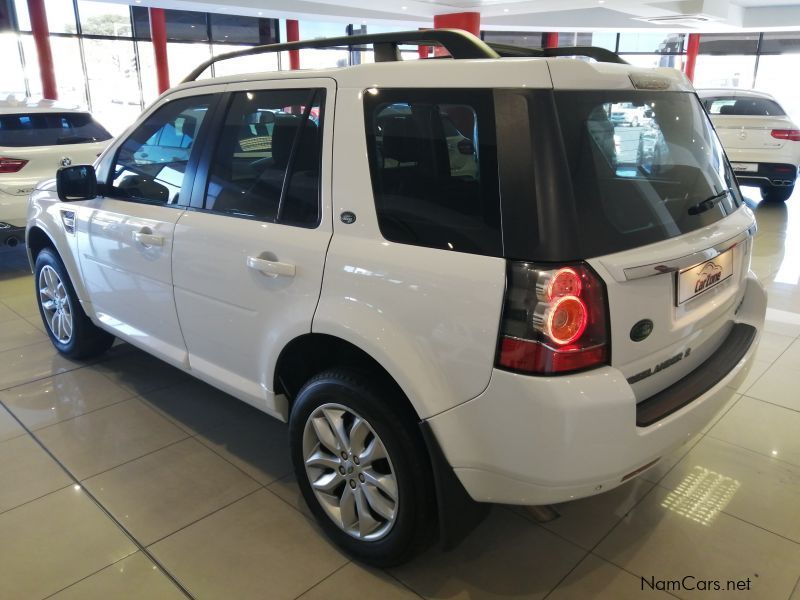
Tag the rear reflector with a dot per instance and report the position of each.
(11, 165)
(640, 469)
(787, 134)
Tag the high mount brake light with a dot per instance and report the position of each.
(787, 134)
(11, 165)
(554, 320)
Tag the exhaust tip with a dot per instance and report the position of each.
(542, 514)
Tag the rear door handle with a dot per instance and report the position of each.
(145, 238)
(270, 268)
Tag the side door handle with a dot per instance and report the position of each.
(146, 238)
(270, 268)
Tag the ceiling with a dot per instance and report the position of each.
(534, 15)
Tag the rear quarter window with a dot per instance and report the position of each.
(433, 163)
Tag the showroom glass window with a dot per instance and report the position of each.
(267, 162)
(151, 164)
(433, 160)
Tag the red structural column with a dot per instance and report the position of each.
(293, 35)
(468, 21)
(158, 31)
(41, 37)
(550, 39)
(692, 48)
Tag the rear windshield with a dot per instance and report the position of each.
(645, 167)
(743, 106)
(50, 129)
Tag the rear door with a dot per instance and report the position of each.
(664, 225)
(249, 256)
(125, 238)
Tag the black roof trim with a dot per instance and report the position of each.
(595, 52)
(460, 45)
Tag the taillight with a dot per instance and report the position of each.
(11, 165)
(786, 134)
(554, 319)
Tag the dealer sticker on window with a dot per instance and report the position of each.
(705, 276)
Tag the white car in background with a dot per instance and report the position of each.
(760, 139)
(36, 138)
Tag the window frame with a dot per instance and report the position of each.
(106, 168)
(203, 173)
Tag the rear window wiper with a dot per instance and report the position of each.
(708, 203)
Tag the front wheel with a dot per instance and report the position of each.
(776, 194)
(362, 467)
(73, 334)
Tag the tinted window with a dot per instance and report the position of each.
(743, 106)
(267, 162)
(50, 129)
(150, 165)
(645, 167)
(433, 160)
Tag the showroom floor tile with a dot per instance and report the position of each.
(125, 478)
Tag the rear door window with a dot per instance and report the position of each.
(268, 156)
(50, 129)
(433, 161)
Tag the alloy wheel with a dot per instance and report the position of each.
(350, 472)
(56, 304)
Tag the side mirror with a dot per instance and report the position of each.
(76, 183)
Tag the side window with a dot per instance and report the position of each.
(433, 161)
(151, 163)
(267, 162)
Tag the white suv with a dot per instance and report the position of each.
(36, 138)
(543, 328)
(761, 140)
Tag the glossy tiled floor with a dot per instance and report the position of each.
(126, 479)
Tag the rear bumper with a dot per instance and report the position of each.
(541, 440)
(770, 175)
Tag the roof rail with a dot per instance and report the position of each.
(460, 45)
(595, 52)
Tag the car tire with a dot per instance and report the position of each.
(73, 334)
(379, 510)
(776, 194)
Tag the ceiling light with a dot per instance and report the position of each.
(505, 10)
(695, 19)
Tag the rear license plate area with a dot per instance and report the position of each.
(697, 280)
(740, 167)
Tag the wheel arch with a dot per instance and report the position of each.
(312, 353)
(37, 239)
